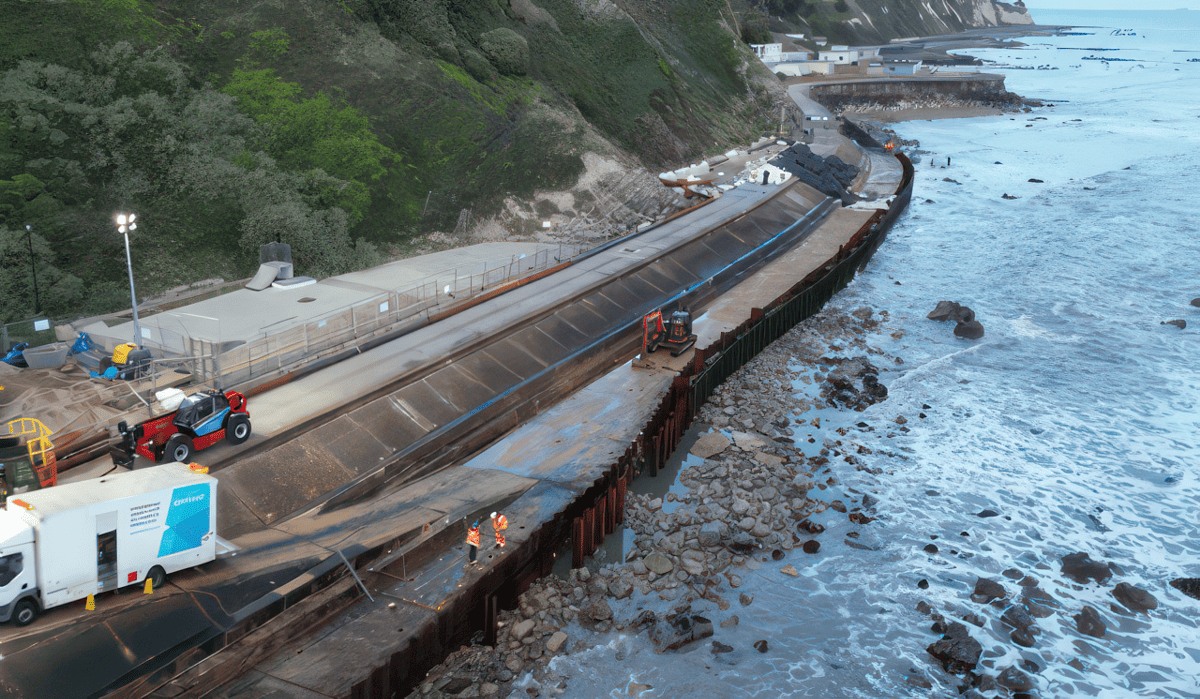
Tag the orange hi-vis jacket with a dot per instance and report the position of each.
(473, 536)
(501, 523)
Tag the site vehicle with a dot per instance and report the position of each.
(673, 331)
(64, 543)
(26, 457)
(201, 420)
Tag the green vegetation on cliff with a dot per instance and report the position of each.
(343, 127)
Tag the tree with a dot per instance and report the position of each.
(58, 291)
(314, 133)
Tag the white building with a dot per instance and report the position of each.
(901, 67)
(837, 54)
(768, 53)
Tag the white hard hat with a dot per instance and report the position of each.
(493, 515)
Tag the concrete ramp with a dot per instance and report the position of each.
(268, 272)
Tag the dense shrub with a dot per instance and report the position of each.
(508, 50)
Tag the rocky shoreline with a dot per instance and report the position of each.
(748, 506)
(745, 506)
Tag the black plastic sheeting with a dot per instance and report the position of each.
(828, 175)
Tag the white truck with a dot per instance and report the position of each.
(64, 543)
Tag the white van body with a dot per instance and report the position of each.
(64, 543)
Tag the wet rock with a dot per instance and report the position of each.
(1017, 617)
(1088, 622)
(1022, 637)
(1013, 574)
(718, 647)
(777, 555)
(1006, 195)
(973, 619)
(1081, 568)
(1178, 322)
(811, 546)
(1033, 179)
(923, 607)
(931, 548)
(869, 502)
(951, 310)
(917, 678)
(969, 330)
(1196, 302)
(837, 505)
(598, 611)
(731, 622)
(761, 646)
(1134, 598)
(555, 643)
(987, 513)
(1014, 680)
(987, 590)
(658, 564)
(810, 527)
(710, 444)
(956, 650)
(620, 588)
(745, 599)
(679, 630)
(923, 584)
(1188, 586)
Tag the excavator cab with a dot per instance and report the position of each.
(26, 457)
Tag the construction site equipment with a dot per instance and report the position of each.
(80, 539)
(673, 332)
(202, 419)
(26, 457)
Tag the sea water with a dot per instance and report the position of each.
(1076, 417)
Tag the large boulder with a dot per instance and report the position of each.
(1188, 586)
(956, 650)
(1088, 622)
(1081, 568)
(969, 329)
(951, 310)
(987, 590)
(1134, 598)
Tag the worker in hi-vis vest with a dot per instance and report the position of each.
(499, 523)
(473, 542)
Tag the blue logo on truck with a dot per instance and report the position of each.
(187, 519)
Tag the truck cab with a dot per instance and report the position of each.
(18, 574)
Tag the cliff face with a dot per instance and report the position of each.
(878, 21)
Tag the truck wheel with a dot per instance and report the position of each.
(237, 428)
(157, 577)
(25, 612)
(179, 448)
